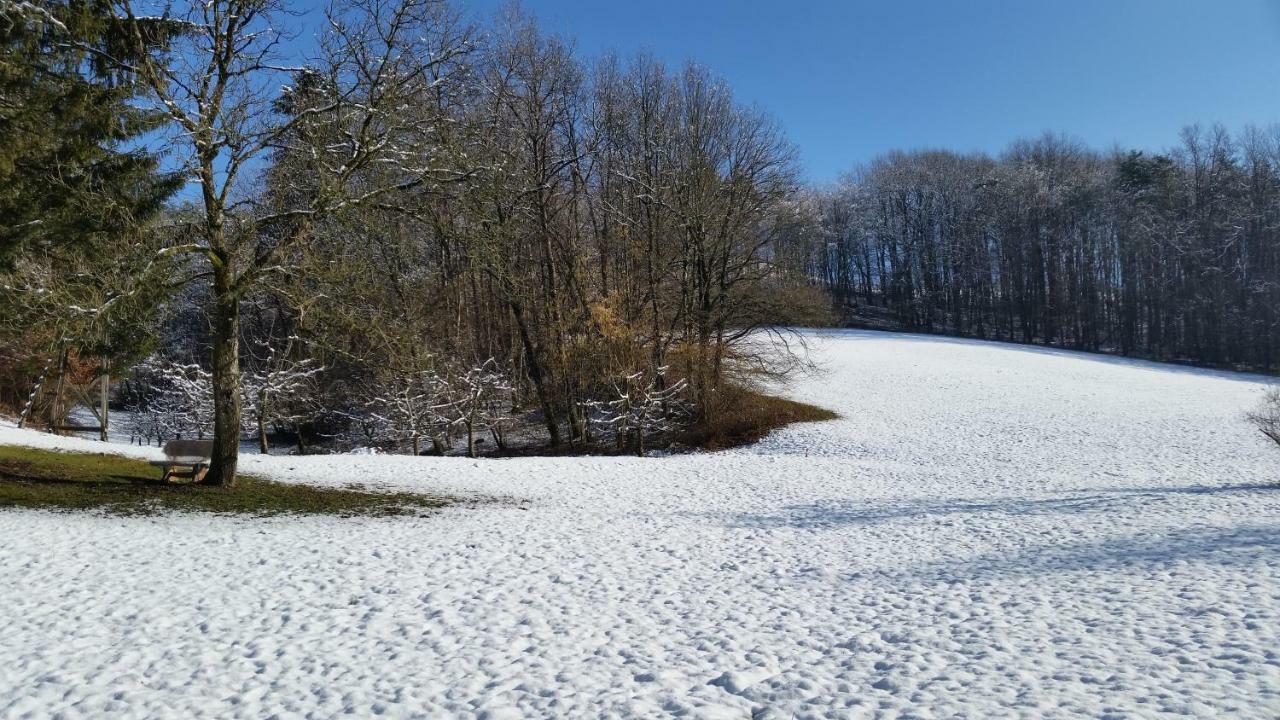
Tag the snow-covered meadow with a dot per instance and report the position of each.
(988, 531)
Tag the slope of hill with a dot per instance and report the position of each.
(987, 530)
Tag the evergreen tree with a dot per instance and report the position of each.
(76, 190)
(71, 170)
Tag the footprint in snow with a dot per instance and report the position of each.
(738, 682)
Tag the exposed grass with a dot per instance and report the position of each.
(745, 416)
(78, 481)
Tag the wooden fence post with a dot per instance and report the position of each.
(55, 414)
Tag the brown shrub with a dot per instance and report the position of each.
(742, 416)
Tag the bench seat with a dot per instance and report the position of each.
(185, 459)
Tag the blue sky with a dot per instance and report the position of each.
(849, 79)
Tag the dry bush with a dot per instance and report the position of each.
(742, 416)
(1266, 417)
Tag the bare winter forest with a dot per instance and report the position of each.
(1173, 256)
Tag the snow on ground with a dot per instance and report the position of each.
(989, 531)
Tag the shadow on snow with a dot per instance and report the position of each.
(1220, 546)
(853, 512)
(1224, 546)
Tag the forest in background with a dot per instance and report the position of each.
(1172, 256)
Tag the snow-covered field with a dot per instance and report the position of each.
(989, 531)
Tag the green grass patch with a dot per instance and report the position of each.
(31, 478)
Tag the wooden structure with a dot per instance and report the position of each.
(185, 459)
(81, 391)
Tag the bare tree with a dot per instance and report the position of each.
(171, 400)
(361, 127)
(413, 406)
(277, 392)
(641, 406)
(476, 398)
(1267, 415)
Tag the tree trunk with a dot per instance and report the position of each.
(263, 445)
(578, 425)
(535, 374)
(55, 408)
(226, 383)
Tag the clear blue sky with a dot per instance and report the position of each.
(850, 79)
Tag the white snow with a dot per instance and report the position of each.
(989, 531)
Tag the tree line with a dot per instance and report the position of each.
(1172, 255)
(425, 229)
(419, 198)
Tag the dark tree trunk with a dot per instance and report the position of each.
(226, 384)
(535, 374)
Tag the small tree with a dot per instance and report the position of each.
(276, 393)
(1267, 415)
(173, 400)
(496, 414)
(643, 406)
(409, 408)
(477, 399)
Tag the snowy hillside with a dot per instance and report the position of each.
(989, 530)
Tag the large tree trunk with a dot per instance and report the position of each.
(226, 384)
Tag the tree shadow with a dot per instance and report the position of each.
(1201, 489)
(1222, 546)
(1229, 547)
(859, 512)
(851, 512)
(106, 481)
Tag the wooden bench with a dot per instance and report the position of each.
(186, 459)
